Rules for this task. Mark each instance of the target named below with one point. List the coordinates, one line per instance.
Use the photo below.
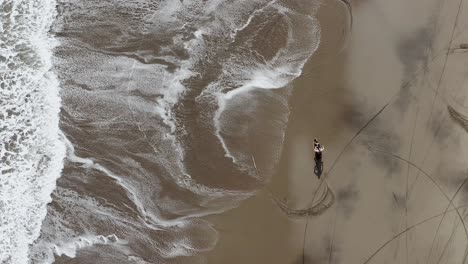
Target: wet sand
(395, 158)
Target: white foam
(277, 73)
(230, 19)
(89, 163)
(137, 260)
(234, 17)
(261, 78)
(169, 10)
(31, 152)
(198, 34)
(71, 246)
(249, 20)
(173, 89)
(151, 220)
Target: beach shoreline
(262, 220)
(373, 108)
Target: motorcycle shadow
(318, 169)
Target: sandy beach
(395, 158)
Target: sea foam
(31, 151)
(111, 85)
(303, 40)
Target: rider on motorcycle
(318, 149)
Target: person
(318, 150)
(318, 158)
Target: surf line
(345, 41)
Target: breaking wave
(31, 151)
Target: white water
(70, 247)
(31, 151)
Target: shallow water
(164, 103)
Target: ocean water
(123, 123)
(31, 150)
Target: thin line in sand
(408, 229)
(437, 185)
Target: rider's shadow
(318, 169)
